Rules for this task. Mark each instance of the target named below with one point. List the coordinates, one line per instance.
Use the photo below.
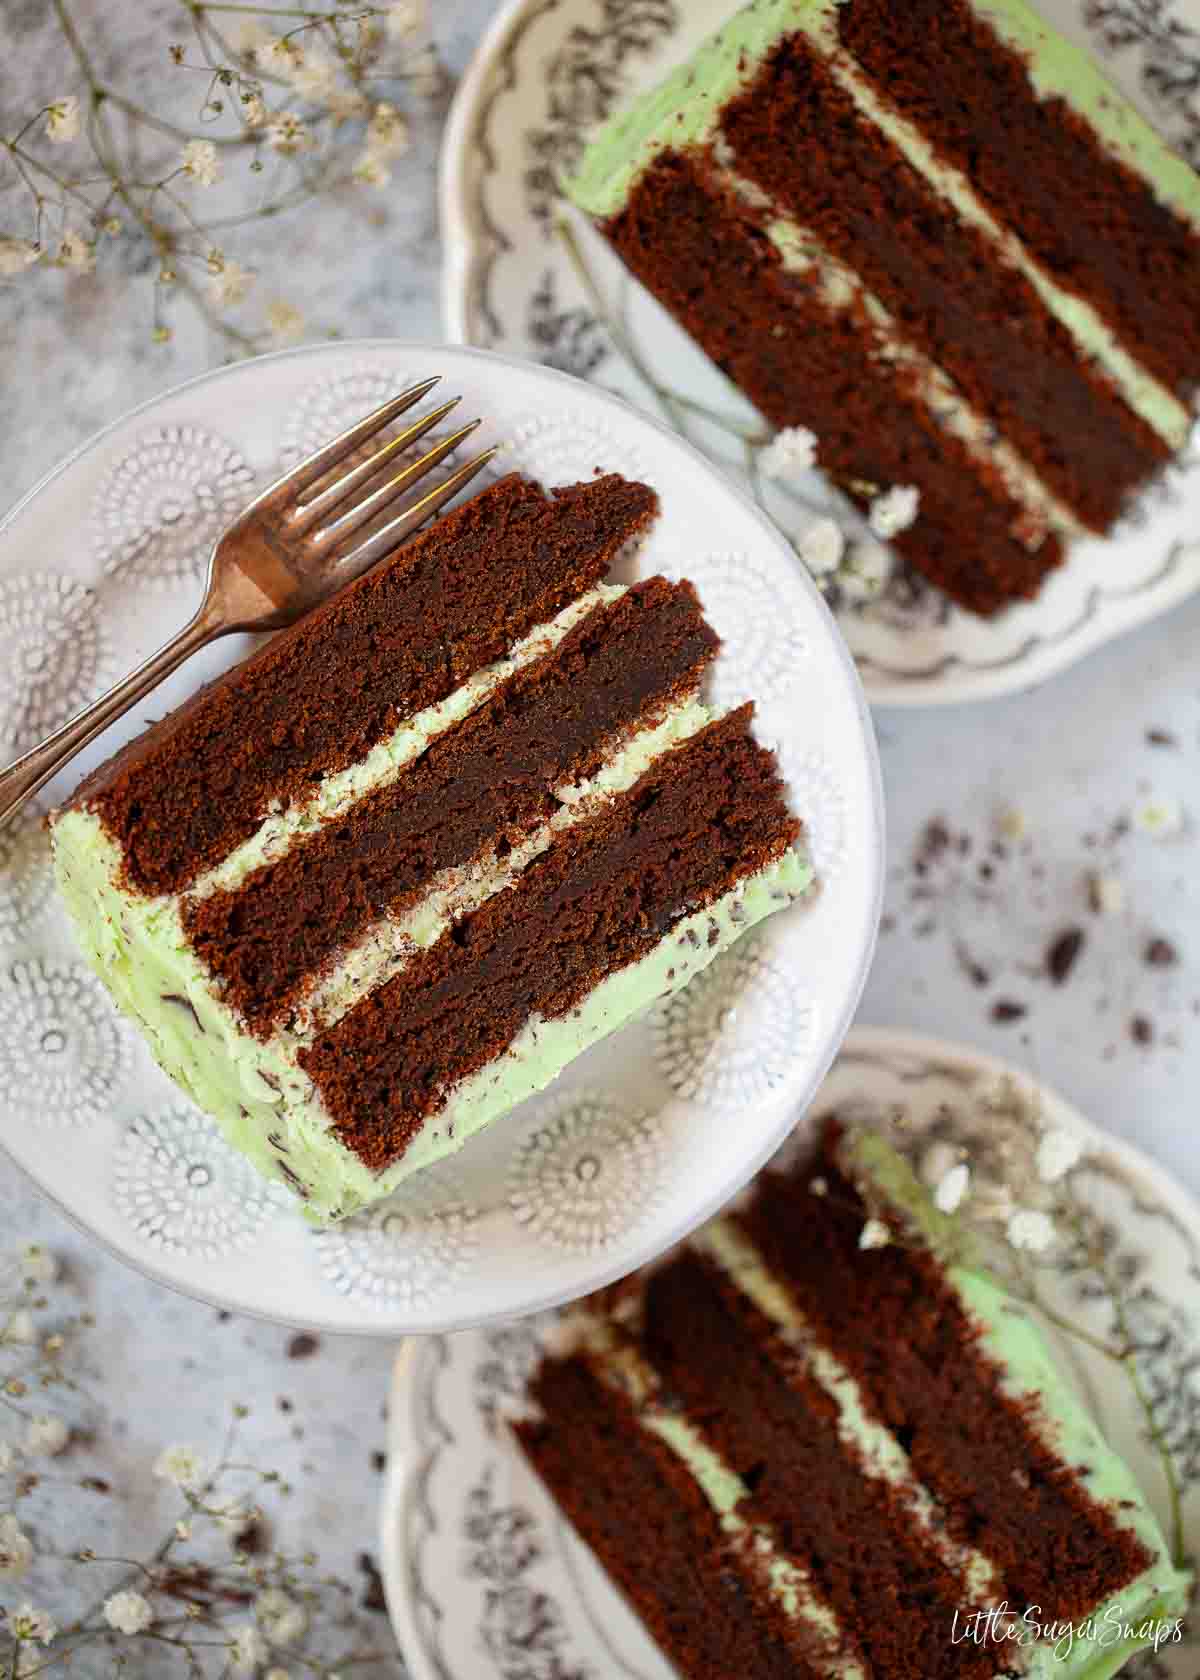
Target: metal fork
(283, 555)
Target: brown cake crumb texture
(481, 787)
(1091, 220)
(804, 364)
(319, 696)
(891, 1318)
(704, 816)
(926, 1376)
(652, 1528)
(797, 133)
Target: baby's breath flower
(281, 57)
(819, 1187)
(283, 1619)
(387, 131)
(874, 1234)
(254, 110)
(111, 225)
(284, 322)
(181, 1465)
(345, 103)
(234, 1518)
(792, 450)
(38, 1264)
(1030, 1231)
(821, 546)
(248, 1650)
(866, 569)
(128, 1612)
(371, 170)
(895, 511)
(29, 1623)
(183, 1531)
(16, 1549)
(74, 251)
(1058, 1152)
(46, 1436)
(16, 255)
(405, 18)
(230, 284)
(315, 80)
(201, 163)
(62, 120)
(952, 1188)
(277, 1674)
(8, 1457)
(1159, 816)
(287, 134)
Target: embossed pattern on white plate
(184, 1190)
(26, 878)
(733, 1034)
(566, 448)
(64, 1049)
(56, 655)
(587, 1171)
(408, 1251)
(815, 793)
(328, 406)
(163, 504)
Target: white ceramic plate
(547, 72)
(649, 1132)
(483, 1576)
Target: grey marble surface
(973, 907)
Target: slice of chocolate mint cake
(806, 1456)
(386, 878)
(934, 236)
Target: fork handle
(35, 768)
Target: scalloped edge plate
(146, 1174)
(505, 286)
(480, 1569)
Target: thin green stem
(173, 131)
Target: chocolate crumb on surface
(1005, 1010)
(1141, 1030)
(1160, 953)
(303, 1346)
(1063, 953)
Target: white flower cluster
(62, 120)
(895, 512)
(16, 1549)
(793, 450)
(387, 138)
(128, 1612)
(200, 163)
(182, 1466)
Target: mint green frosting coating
(1018, 1348)
(1095, 1650)
(264, 1102)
